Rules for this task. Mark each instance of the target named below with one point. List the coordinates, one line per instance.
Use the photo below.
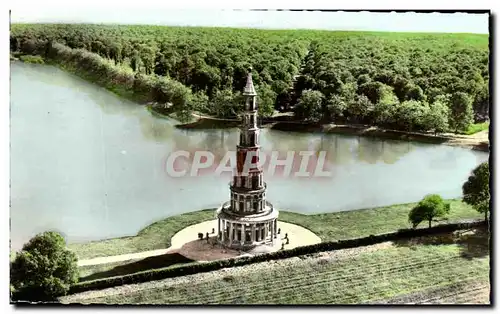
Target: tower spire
(249, 88)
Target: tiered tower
(248, 219)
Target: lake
(91, 165)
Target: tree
(482, 102)
(29, 46)
(44, 269)
(200, 102)
(226, 104)
(180, 97)
(437, 117)
(433, 93)
(401, 86)
(266, 98)
(432, 206)
(462, 115)
(335, 107)
(410, 114)
(363, 79)
(135, 62)
(476, 189)
(373, 90)
(359, 108)
(415, 92)
(310, 105)
(385, 109)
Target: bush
(44, 269)
(32, 59)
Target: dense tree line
(212, 62)
(403, 81)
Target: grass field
(444, 269)
(328, 226)
(154, 236)
(477, 127)
(364, 222)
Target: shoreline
(475, 141)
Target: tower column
(253, 233)
(230, 233)
(242, 234)
(223, 233)
(272, 232)
(266, 232)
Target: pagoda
(248, 219)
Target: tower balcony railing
(245, 190)
(226, 207)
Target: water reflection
(338, 149)
(374, 151)
(158, 130)
(394, 151)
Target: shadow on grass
(473, 243)
(149, 263)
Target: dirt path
(299, 236)
(465, 140)
(122, 258)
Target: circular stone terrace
(187, 243)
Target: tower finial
(249, 88)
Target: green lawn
(429, 269)
(154, 236)
(328, 226)
(477, 127)
(364, 222)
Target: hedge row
(158, 274)
(121, 80)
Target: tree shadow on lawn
(473, 243)
(153, 262)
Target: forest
(404, 81)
